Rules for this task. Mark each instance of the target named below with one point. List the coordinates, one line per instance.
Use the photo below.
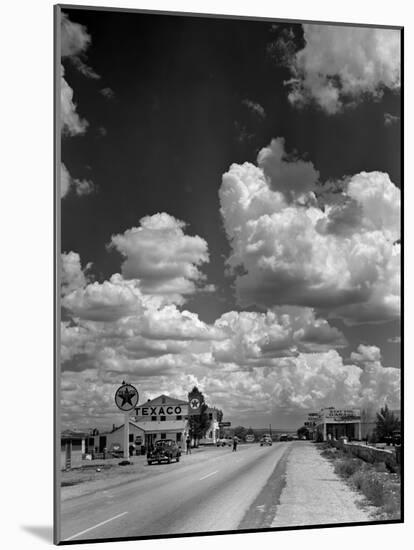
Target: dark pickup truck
(164, 451)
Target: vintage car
(266, 440)
(164, 450)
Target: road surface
(221, 492)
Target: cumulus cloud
(107, 301)
(80, 187)
(253, 339)
(288, 250)
(286, 173)
(75, 40)
(380, 384)
(73, 277)
(340, 65)
(71, 123)
(164, 260)
(248, 363)
(309, 381)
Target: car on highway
(283, 437)
(266, 440)
(164, 450)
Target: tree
(240, 432)
(199, 423)
(386, 423)
(303, 431)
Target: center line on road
(208, 475)
(95, 526)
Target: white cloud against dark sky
(238, 242)
(339, 64)
(343, 258)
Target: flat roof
(166, 426)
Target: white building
(332, 423)
(161, 418)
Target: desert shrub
(381, 467)
(377, 488)
(348, 466)
(373, 488)
(329, 452)
(358, 479)
(392, 501)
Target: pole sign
(195, 400)
(126, 397)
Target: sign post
(126, 399)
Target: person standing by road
(188, 445)
(235, 441)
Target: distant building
(332, 423)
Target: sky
(230, 215)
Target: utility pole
(270, 430)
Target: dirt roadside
(313, 494)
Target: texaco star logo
(195, 403)
(126, 397)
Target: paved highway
(212, 491)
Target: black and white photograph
(228, 282)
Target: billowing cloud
(75, 40)
(254, 339)
(67, 183)
(73, 277)
(287, 249)
(74, 37)
(164, 260)
(286, 173)
(380, 384)
(107, 301)
(71, 123)
(339, 65)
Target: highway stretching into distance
(217, 490)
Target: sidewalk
(314, 494)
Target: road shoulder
(314, 494)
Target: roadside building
(162, 418)
(72, 448)
(213, 432)
(114, 441)
(332, 423)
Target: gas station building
(161, 418)
(332, 423)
